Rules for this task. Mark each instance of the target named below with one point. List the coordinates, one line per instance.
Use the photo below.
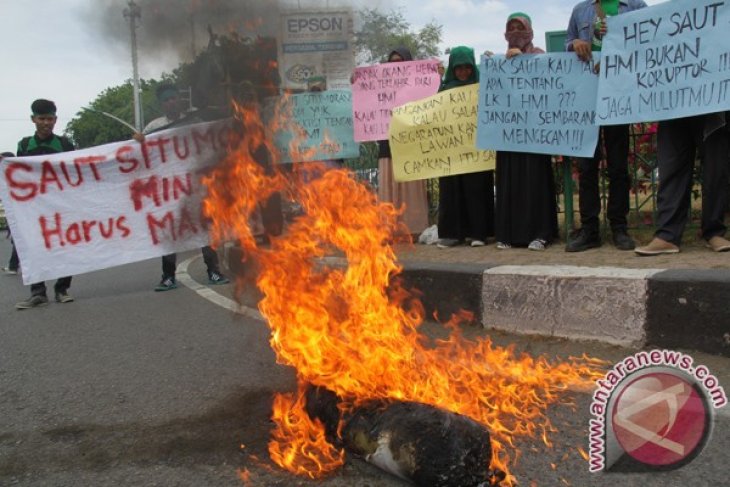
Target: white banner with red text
(96, 208)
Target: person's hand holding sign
(582, 49)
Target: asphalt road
(128, 387)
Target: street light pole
(134, 13)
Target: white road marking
(183, 277)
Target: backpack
(29, 146)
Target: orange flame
(354, 329)
(298, 443)
(583, 454)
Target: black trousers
(61, 286)
(616, 140)
(14, 261)
(677, 143)
(210, 257)
(466, 206)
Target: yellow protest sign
(436, 136)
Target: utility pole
(134, 13)
(192, 30)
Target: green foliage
(368, 158)
(381, 32)
(91, 128)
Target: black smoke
(180, 28)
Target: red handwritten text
(173, 227)
(54, 230)
(160, 189)
(176, 148)
(26, 181)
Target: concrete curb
(447, 288)
(604, 304)
(690, 309)
(679, 309)
(686, 309)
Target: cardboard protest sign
(436, 136)
(377, 89)
(91, 209)
(312, 126)
(667, 61)
(539, 103)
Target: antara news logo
(652, 411)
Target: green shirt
(610, 7)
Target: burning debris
(417, 442)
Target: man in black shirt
(44, 141)
(173, 116)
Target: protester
(14, 262)
(678, 141)
(412, 194)
(526, 212)
(247, 97)
(173, 116)
(44, 141)
(586, 28)
(466, 201)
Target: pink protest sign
(377, 89)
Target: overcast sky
(71, 50)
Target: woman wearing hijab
(411, 194)
(466, 201)
(526, 209)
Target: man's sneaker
(64, 297)
(719, 244)
(622, 240)
(32, 302)
(583, 240)
(8, 270)
(166, 284)
(478, 243)
(217, 278)
(657, 246)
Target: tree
(381, 32)
(90, 128)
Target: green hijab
(458, 56)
